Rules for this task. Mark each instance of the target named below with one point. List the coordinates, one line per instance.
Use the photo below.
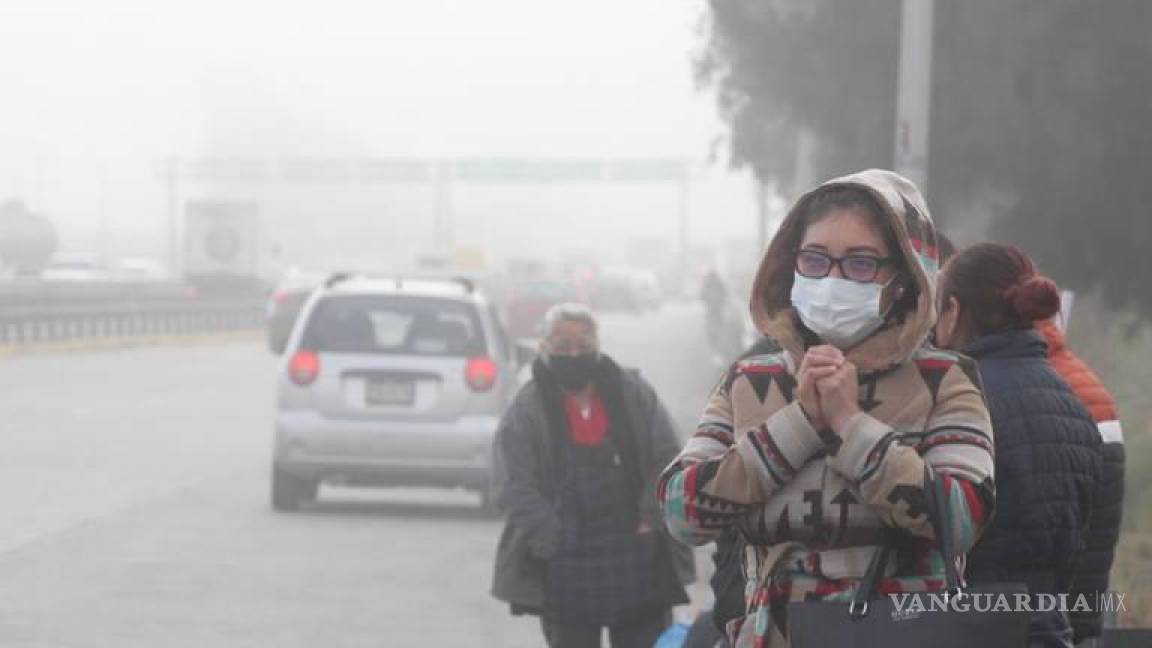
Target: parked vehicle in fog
(140, 269)
(391, 381)
(528, 300)
(625, 289)
(75, 268)
(285, 303)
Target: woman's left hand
(839, 396)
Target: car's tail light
(280, 296)
(304, 367)
(480, 372)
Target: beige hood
(907, 212)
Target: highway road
(134, 487)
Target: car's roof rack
(469, 284)
(466, 283)
(336, 278)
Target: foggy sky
(141, 76)
(128, 80)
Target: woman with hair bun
(1048, 461)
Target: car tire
(290, 491)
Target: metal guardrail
(23, 326)
(35, 311)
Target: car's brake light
(480, 373)
(304, 367)
(280, 296)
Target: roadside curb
(106, 344)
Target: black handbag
(959, 617)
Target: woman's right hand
(819, 362)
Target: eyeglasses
(856, 267)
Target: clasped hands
(829, 388)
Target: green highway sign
(383, 170)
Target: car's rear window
(394, 325)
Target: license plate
(390, 392)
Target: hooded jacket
(1103, 531)
(814, 505)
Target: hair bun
(1035, 298)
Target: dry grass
(1132, 575)
(1119, 348)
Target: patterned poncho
(813, 505)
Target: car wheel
(289, 491)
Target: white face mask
(840, 311)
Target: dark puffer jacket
(1048, 466)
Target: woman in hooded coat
(816, 449)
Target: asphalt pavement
(134, 486)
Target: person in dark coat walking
(576, 459)
(1048, 459)
(714, 295)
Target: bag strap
(941, 524)
(858, 608)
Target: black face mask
(574, 372)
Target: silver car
(391, 381)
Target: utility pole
(443, 215)
(683, 211)
(762, 214)
(914, 92)
(172, 177)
